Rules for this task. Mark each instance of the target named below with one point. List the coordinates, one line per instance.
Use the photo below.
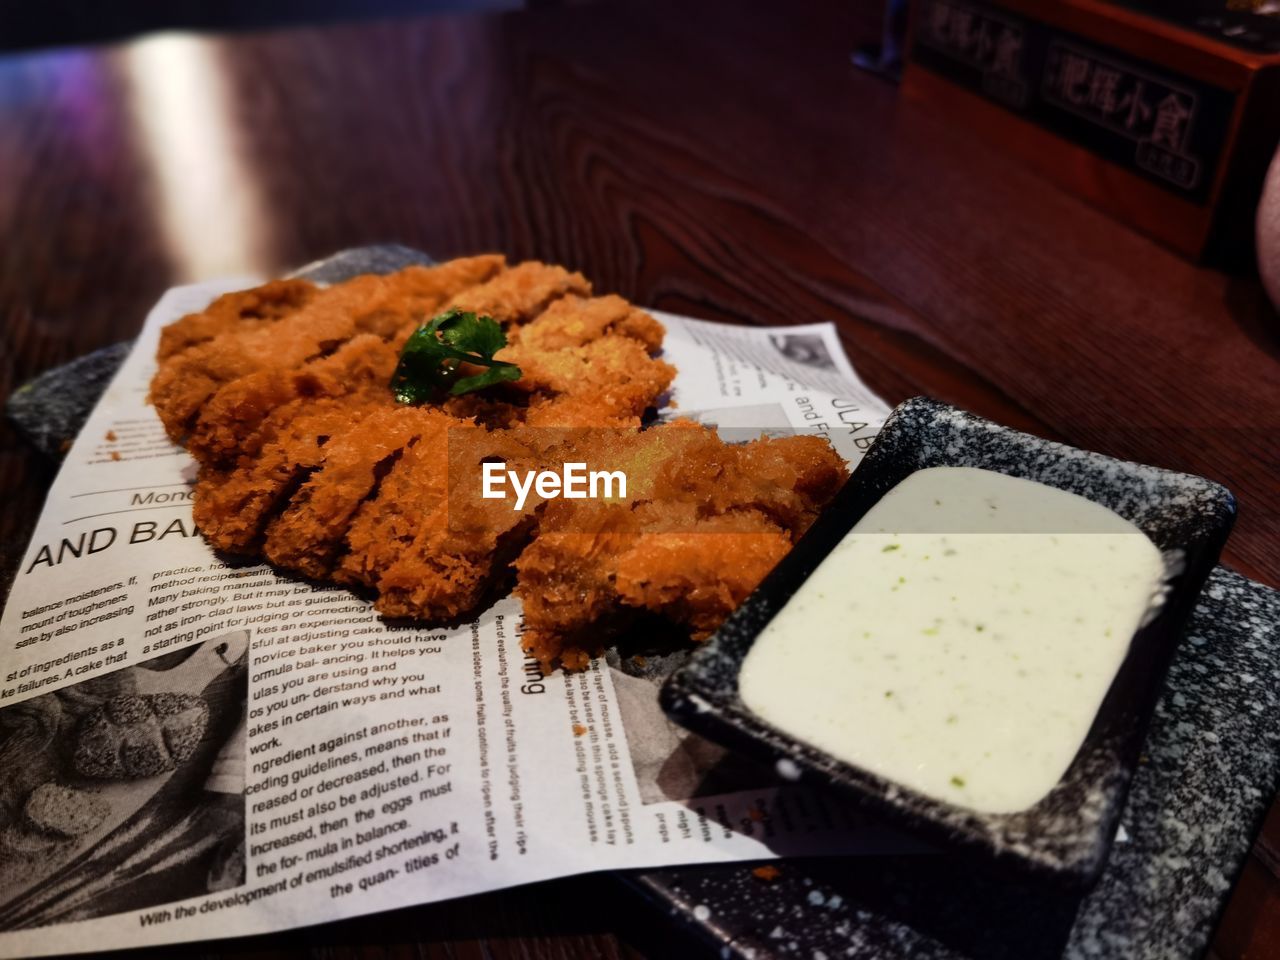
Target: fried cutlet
(579, 589)
(263, 433)
(704, 522)
(584, 361)
(422, 544)
(230, 425)
(309, 533)
(363, 365)
(236, 312)
(232, 506)
(380, 305)
(463, 542)
(606, 382)
(521, 293)
(575, 321)
(282, 394)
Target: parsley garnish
(432, 356)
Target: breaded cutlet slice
(311, 531)
(607, 382)
(443, 566)
(380, 305)
(588, 361)
(698, 573)
(704, 521)
(578, 589)
(520, 293)
(564, 579)
(232, 505)
(364, 364)
(574, 321)
(230, 423)
(383, 527)
(787, 479)
(238, 311)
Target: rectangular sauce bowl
(1066, 836)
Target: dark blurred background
(47, 23)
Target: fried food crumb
(579, 729)
(115, 454)
(111, 436)
(766, 873)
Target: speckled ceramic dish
(1066, 836)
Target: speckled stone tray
(1211, 767)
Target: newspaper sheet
(195, 750)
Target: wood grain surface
(723, 162)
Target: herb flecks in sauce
(994, 640)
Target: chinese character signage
(983, 39)
(1167, 128)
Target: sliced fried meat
(606, 381)
(703, 523)
(283, 396)
(241, 310)
(401, 543)
(365, 304)
(565, 582)
(682, 573)
(580, 588)
(464, 541)
(574, 321)
(233, 505)
(228, 425)
(519, 294)
(787, 479)
(310, 532)
(383, 528)
(587, 361)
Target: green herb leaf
(470, 333)
(430, 363)
(499, 373)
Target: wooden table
(717, 162)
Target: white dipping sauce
(961, 637)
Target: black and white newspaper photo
(126, 790)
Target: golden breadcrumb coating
(703, 523)
(228, 425)
(310, 531)
(380, 305)
(282, 394)
(521, 293)
(575, 321)
(242, 310)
